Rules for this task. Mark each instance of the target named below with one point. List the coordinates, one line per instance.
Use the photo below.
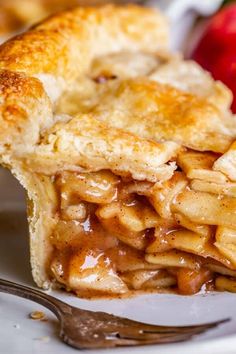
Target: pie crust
(126, 152)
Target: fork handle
(56, 306)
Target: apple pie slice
(128, 166)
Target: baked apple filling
(101, 234)
(114, 235)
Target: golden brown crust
(57, 52)
(24, 110)
(162, 112)
(63, 47)
(85, 143)
(76, 37)
(187, 75)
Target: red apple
(224, 69)
(216, 51)
(223, 25)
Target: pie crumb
(44, 339)
(38, 315)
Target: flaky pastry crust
(34, 70)
(135, 125)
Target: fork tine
(110, 341)
(148, 335)
(122, 324)
(160, 335)
(182, 329)
(118, 341)
(112, 331)
(157, 336)
(116, 321)
(205, 325)
(128, 341)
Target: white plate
(19, 334)
(182, 14)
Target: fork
(84, 329)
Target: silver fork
(84, 329)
